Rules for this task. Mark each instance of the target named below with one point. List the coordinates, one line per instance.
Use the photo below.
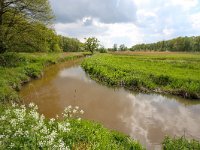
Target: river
(145, 117)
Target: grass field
(175, 73)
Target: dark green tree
(91, 44)
(18, 16)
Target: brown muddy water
(145, 117)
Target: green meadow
(174, 73)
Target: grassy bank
(175, 73)
(180, 144)
(23, 128)
(18, 68)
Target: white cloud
(168, 32)
(195, 20)
(108, 34)
(112, 11)
(132, 22)
(185, 4)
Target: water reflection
(147, 118)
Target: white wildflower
(7, 112)
(3, 118)
(52, 120)
(62, 127)
(31, 105)
(13, 122)
(23, 106)
(34, 114)
(14, 105)
(74, 111)
(82, 112)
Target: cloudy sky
(127, 21)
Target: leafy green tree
(187, 44)
(18, 16)
(102, 49)
(122, 47)
(91, 44)
(70, 44)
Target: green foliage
(180, 144)
(122, 47)
(90, 135)
(182, 44)
(91, 44)
(11, 60)
(17, 68)
(176, 73)
(102, 49)
(19, 22)
(115, 48)
(70, 44)
(24, 128)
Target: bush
(23, 128)
(11, 60)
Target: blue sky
(127, 22)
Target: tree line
(182, 44)
(26, 26)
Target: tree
(115, 48)
(102, 49)
(122, 47)
(70, 44)
(91, 44)
(187, 44)
(17, 17)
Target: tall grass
(177, 74)
(180, 144)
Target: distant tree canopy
(102, 49)
(122, 47)
(70, 44)
(91, 44)
(182, 44)
(115, 47)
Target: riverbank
(19, 68)
(168, 73)
(17, 123)
(23, 128)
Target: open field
(174, 73)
